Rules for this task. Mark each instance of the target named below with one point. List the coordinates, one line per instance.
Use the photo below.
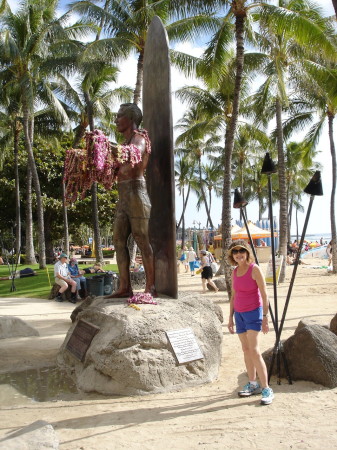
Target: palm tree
(250, 145)
(11, 128)
(290, 33)
(300, 166)
(318, 87)
(196, 144)
(212, 178)
(126, 24)
(26, 44)
(184, 174)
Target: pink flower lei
(96, 163)
(142, 298)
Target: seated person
(63, 279)
(27, 272)
(96, 268)
(77, 275)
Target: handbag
(196, 264)
(183, 257)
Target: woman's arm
(257, 275)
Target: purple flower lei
(142, 298)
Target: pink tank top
(247, 295)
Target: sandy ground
(212, 416)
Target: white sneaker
(267, 396)
(250, 389)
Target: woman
(77, 276)
(249, 305)
(191, 258)
(184, 259)
(206, 273)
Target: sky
(319, 222)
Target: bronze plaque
(81, 338)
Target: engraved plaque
(184, 345)
(81, 338)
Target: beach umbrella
(255, 232)
(234, 229)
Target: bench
(91, 261)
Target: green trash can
(108, 284)
(95, 285)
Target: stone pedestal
(131, 353)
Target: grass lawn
(34, 287)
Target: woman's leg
(211, 282)
(256, 357)
(251, 370)
(204, 282)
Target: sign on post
(278, 265)
(184, 345)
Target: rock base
(38, 435)
(131, 354)
(11, 326)
(311, 355)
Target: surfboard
(157, 112)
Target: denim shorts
(249, 320)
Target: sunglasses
(240, 250)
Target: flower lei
(142, 298)
(96, 163)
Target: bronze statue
(134, 207)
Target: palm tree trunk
(65, 219)
(94, 202)
(30, 252)
(260, 199)
(333, 194)
(16, 133)
(290, 216)
(139, 82)
(229, 144)
(184, 206)
(183, 224)
(39, 205)
(48, 222)
(282, 190)
(201, 183)
(79, 133)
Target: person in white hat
(63, 279)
